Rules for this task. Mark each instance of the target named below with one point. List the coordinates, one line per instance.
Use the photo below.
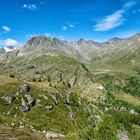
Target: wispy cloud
(71, 26)
(114, 20)
(10, 42)
(33, 35)
(31, 7)
(130, 4)
(66, 27)
(136, 11)
(28, 35)
(110, 22)
(43, 2)
(48, 34)
(6, 28)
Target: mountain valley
(53, 89)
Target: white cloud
(48, 34)
(71, 26)
(110, 22)
(61, 37)
(5, 28)
(8, 42)
(64, 28)
(130, 4)
(114, 20)
(31, 7)
(30, 35)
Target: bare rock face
(53, 135)
(81, 49)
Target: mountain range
(80, 49)
(80, 90)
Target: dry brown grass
(128, 98)
(43, 85)
(6, 80)
(13, 133)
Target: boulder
(38, 102)
(24, 88)
(49, 107)
(24, 106)
(10, 99)
(31, 101)
(55, 97)
(43, 96)
(132, 111)
(66, 100)
(31, 66)
(54, 135)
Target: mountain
(2, 50)
(123, 53)
(80, 90)
(7, 49)
(80, 49)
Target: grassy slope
(91, 117)
(119, 72)
(58, 119)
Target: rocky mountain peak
(137, 34)
(116, 39)
(2, 50)
(37, 40)
(86, 42)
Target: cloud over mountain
(115, 19)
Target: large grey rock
(38, 102)
(31, 101)
(24, 88)
(54, 135)
(10, 99)
(49, 107)
(122, 135)
(68, 98)
(55, 97)
(31, 66)
(24, 106)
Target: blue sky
(68, 19)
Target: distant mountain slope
(123, 55)
(2, 50)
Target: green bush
(106, 130)
(11, 75)
(133, 86)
